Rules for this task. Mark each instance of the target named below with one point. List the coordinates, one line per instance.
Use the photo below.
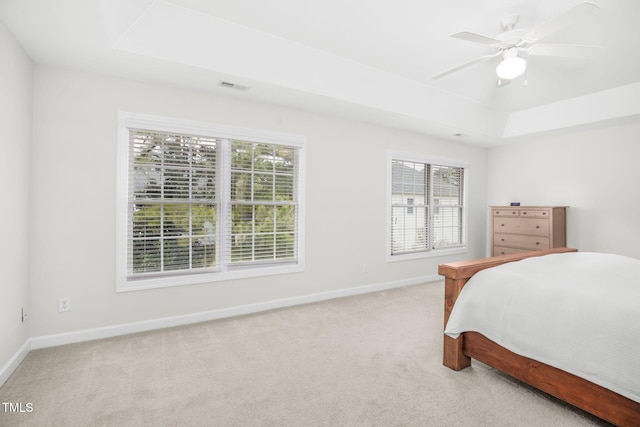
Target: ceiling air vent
(235, 86)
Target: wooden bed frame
(577, 391)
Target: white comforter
(579, 312)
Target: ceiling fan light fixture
(511, 66)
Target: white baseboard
(14, 362)
(166, 322)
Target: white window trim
(128, 120)
(413, 157)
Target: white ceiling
(370, 60)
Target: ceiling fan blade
(477, 38)
(579, 12)
(465, 65)
(565, 50)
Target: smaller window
(427, 213)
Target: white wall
(595, 172)
(16, 74)
(74, 199)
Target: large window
(202, 202)
(426, 207)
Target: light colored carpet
(368, 360)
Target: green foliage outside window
(175, 205)
(174, 214)
(262, 202)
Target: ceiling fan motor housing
(512, 65)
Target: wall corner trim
(14, 362)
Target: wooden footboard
(456, 275)
(577, 391)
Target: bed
(566, 378)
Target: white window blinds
(447, 198)
(263, 203)
(200, 203)
(427, 207)
(409, 209)
(172, 202)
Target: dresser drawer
(505, 212)
(538, 213)
(533, 226)
(501, 250)
(520, 241)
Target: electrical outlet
(64, 304)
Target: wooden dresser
(527, 228)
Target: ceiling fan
(511, 42)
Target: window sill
(129, 285)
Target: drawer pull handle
(537, 226)
(502, 240)
(524, 213)
(501, 225)
(537, 243)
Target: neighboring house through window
(426, 206)
(201, 202)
